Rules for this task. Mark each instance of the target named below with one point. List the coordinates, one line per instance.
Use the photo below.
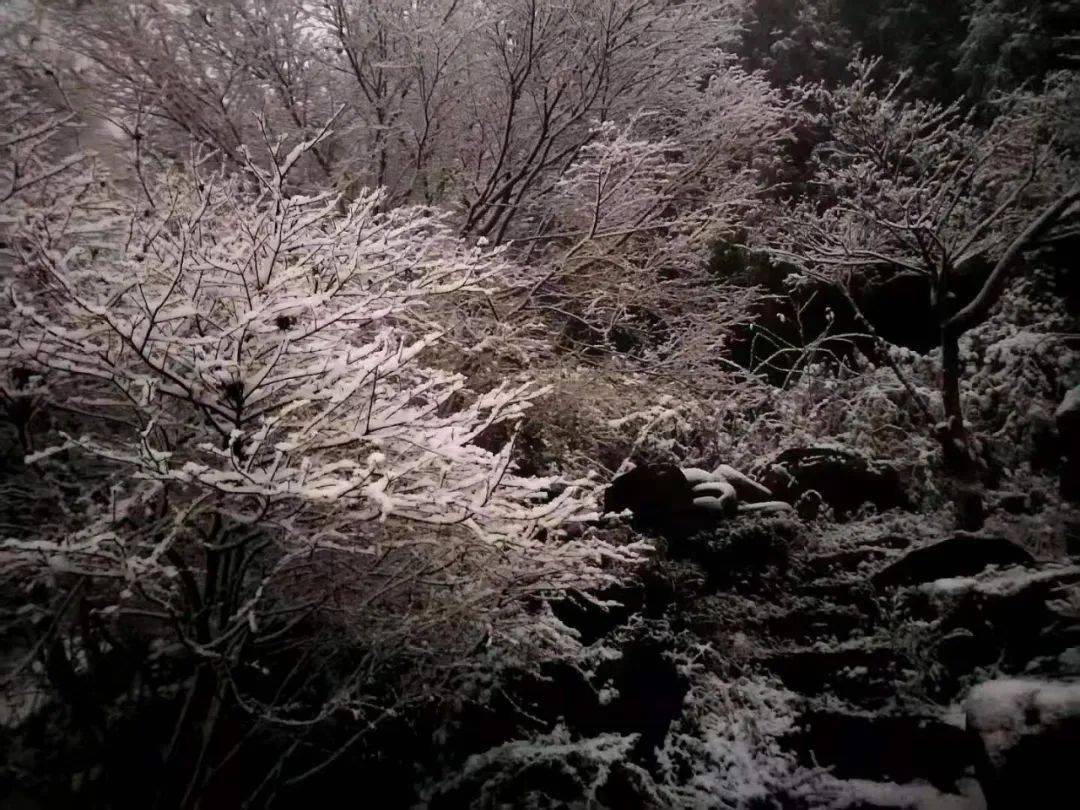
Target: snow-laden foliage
(508, 114)
(274, 327)
(1022, 361)
(34, 174)
(478, 103)
(549, 771)
(623, 254)
(1008, 43)
(724, 751)
(240, 377)
(622, 240)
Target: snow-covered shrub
(725, 750)
(551, 770)
(248, 443)
(599, 419)
(1022, 360)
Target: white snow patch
(915, 796)
(1070, 404)
(1004, 710)
(1003, 583)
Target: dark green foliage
(922, 36)
(961, 48)
(795, 40)
(1011, 42)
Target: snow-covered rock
(682, 501)
(1029, 735)
(1069, 409)
(651, 491)
(715, 489)
(748, 490)
(716, 505)
(843, 478)
(696, 475)
(961, 555)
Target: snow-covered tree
(494, 111)
(161, 76)
(478, 104)
(793, 39)
(905, 186)
(621, 242)
(35, 171)
(245, 435)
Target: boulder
(720, 506)
(1003, 617)
(961, 555)
(1028, 737)
(844, 479)
(715, 489)
(715, 496)
(1067, 415)
(653, 492)
(677, 502)
(696, 475)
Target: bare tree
(477, 105)
(622, 239)
(913, 187)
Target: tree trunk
(954, 437)
(194, 736)
(956, 444)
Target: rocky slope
(883, 660)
